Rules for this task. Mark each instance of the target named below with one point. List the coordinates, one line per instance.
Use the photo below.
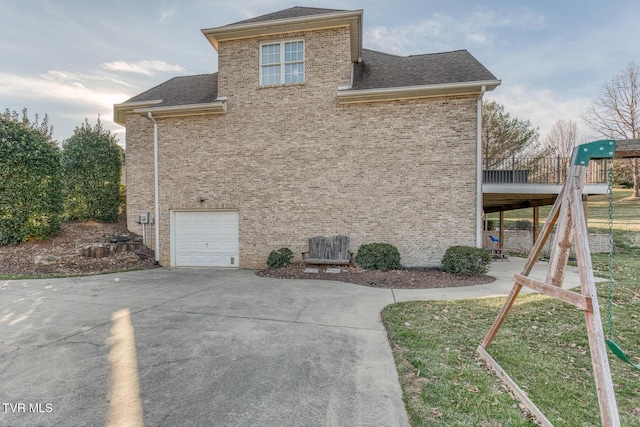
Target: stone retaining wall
(521, 241)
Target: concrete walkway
(503, 271)
(203, 348)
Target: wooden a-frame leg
(531, 260)
(599, 359)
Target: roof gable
(295, 19)
(294, 12)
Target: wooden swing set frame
(568, 214)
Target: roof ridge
(438, 53)
(416, 55)
(193, 75)
(286, 14)
(384, 53)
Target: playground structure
(568, 214)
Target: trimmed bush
(490, 225)
(524, 224)
(280, 258)
(30, 186)
(378, 256)
(466, 261)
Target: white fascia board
(351, 18)
(120, 110)
(409, 92)
(285, 21)
(216, 107)
(509, 188)
(539, 188)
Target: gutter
(219, 106)
(479, 170)
(348, 96)
(120, 110)
(156, 187)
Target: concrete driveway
(221, 347)
(202, 348)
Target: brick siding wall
(296, 164)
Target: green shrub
(30, 186)
(280, 258)
(91, 173)
(466, 261)
(524, 224)
(378, 256)
(490, 225)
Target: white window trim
(282, 62)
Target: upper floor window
(282, 62)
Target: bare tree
(616, 114)
(563, 136)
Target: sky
(74, 59)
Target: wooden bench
(328, 250)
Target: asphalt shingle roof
(376, 71)
(382, 70)
(294, 12)
(184, 90)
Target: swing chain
(610, 277)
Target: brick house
(303, 132)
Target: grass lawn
(626, 213)
(542, 345)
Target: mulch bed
(20, 259)
(418, 278)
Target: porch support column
(501, 235)
(536, 220)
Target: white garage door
(207, 239)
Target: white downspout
(156, 186)
(353, 69)
(479, 170)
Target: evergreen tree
(30, 185)
(505, 138)
(91, 173)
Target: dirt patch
(423, 278)
(21, 259)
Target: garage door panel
(183, 246)
(205, 239)
(200, 246)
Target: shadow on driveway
(213, 347)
